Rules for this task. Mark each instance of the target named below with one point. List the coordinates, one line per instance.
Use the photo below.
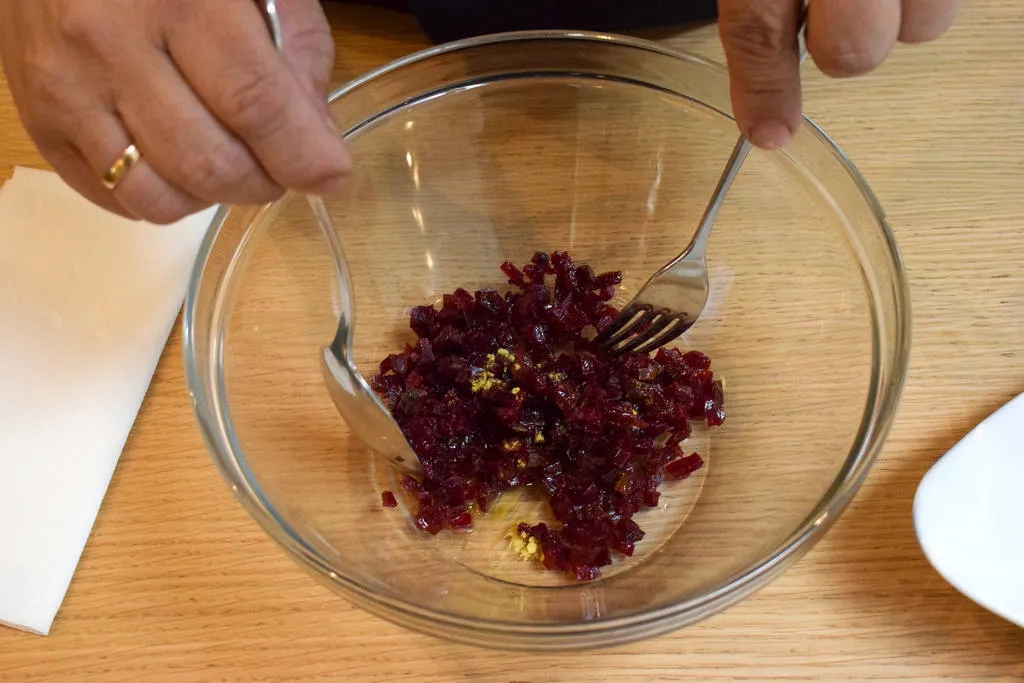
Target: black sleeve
(444, 20)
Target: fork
(674, 298)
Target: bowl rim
(880, 410)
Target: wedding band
(125, 163)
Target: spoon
(968, 512)
(353, 397)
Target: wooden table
(178, 583)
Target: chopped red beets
(388, 500)
(506, 390)
(683, 467)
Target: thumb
(762, 52)
(308, 44)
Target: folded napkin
(87, 301)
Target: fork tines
(641, 328)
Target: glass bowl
(489, 149)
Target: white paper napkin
(87, 301)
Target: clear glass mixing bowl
(476, 152)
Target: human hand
(844, 37)
(197, 85)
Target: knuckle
(315, 42)
(317, 52)
(218, 168)
(83, 23)
(228, 173)
(48, 83)
(850, 60)
(256, 105)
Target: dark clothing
(444, 20)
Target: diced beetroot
(543, 260)
(399, 364)
(714, 411)
(463, 521)
(585, 277)
(412, 484)
(430, 520)
(388, 500)
(423, 321)
(609, 279)
(534, 273)
(514, 275)
(424, 351)
(697, 360)
(504, 390)
(627, 534)
(537, 334)
(684, 467)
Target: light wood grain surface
(178, 583)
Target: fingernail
(770, 135)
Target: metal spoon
(353, 397)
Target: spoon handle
(269, 10)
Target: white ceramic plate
(969, 513)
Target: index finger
(226, 54)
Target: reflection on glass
(652, 196)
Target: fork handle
(699, 243)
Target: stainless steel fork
(675, 296)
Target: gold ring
(126, 162)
